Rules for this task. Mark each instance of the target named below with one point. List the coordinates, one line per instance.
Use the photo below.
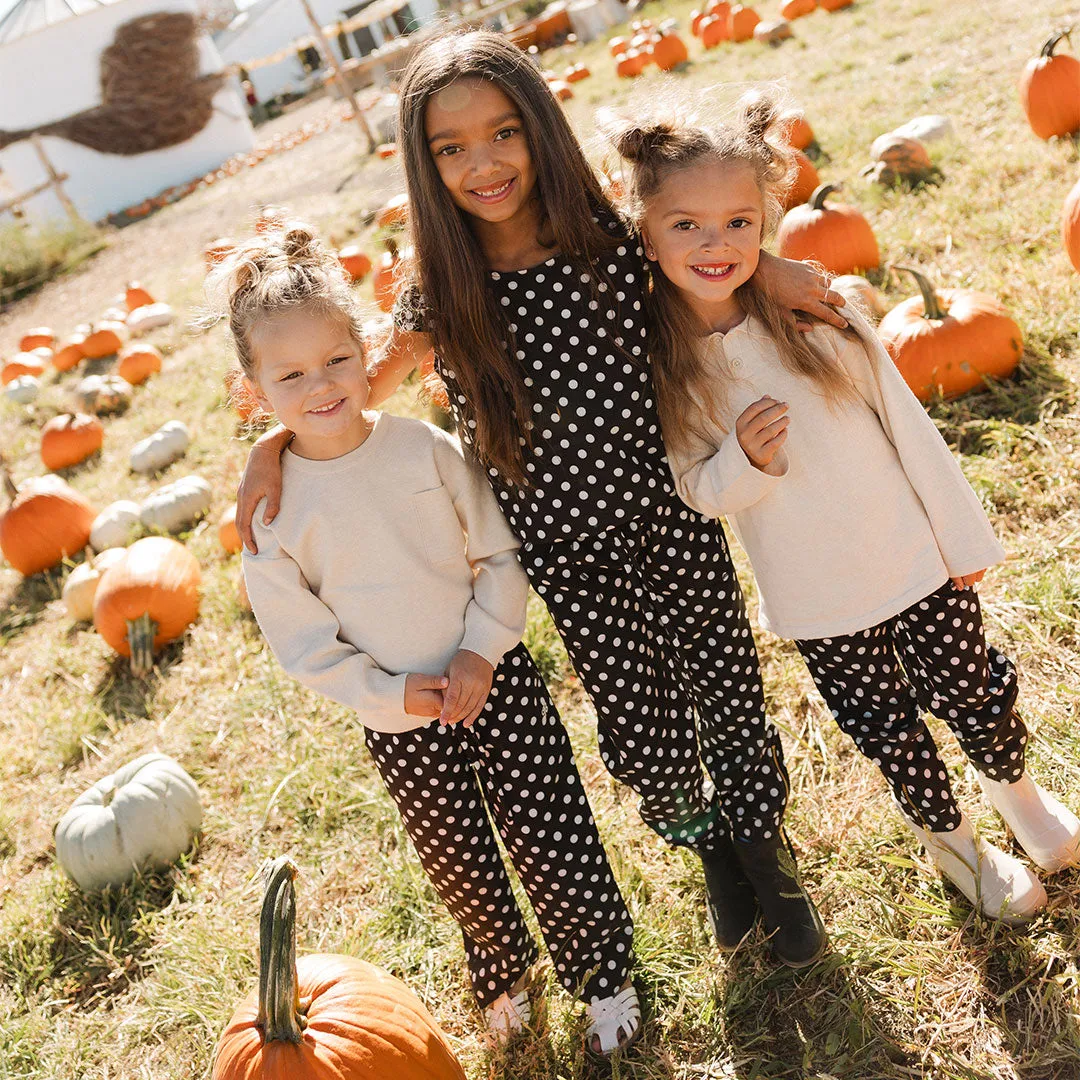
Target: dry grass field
(138, 983)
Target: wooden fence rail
(55, 181)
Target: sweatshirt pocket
(439, 525)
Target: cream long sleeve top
(382, 562)
(864, 511)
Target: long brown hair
(471, 335)
(653, 150)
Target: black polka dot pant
(517, 759)
(655, 625)
(932, 657)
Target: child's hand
(961, 583)
(762, 429)
(470, 678)
(424, 694)
(262, 476)
(800, 287)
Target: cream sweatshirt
(383, 562)
(864, 511)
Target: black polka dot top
(598, 455)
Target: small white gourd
(143, 815)
(856, 288)
(116, 526)
(177, 505)
(100, 394)
(81, 584)
(23, 390)
(927, 129)
(149, 317)
(162, 448)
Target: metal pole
(328, 52)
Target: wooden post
(55, 179)
(331, 59)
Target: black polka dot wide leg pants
(655, 625)
(517, 759)
(932, 657)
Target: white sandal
(610, 1016)
(508, 1015)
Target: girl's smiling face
(311, 374)
(703, 226)
(477, 139)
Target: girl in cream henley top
(865, 510)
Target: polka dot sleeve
(410, 313)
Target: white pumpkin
(143, 815)
(116, 526)
(102, 394)
(858, 289)
(23, 390)
(162, 448)
(772, 31)
(927, 129)
(177, 505)
(81, 585)
(115, 313)
(149, 317)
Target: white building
(270, 26)
(51, 69)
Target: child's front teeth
(487, 193)
(715, 271)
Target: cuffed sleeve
(305, 636)
(961, 529)
(495, 616)
(724, 481)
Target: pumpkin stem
(140, 634)
(9, 484)
(817, 200)
(932, 305)
(279, 992)
(1051, 42)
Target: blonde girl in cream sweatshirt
(389, 582)
(865, 538)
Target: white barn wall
(31, 94)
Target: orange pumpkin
(70, 438)
(394, 213)
(38, 338)
(24, 363)
(1070, 226)
(946, 341)
(719, 9)
(741, 23)
(1050, 90)
(240, 398)
(355, 262)
(796, 9)
(105, 338)
(805, 182)
(714, 30)
(898, 159)
(325, 1016)
(618, 45)
(137, 363)
(385, 283)
(69, 353)
(834, 5)
(386, 150)
(135, 296)
(228, 533)
(668, 50)
(45, 522)
(561, 89)
(219, 250)
(837, 236)
(147, 599)
(798, 132)
(576, 73)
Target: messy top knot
(655, 147)
(282, 268)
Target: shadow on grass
(102, 941)
(127, 697)
(23, 605)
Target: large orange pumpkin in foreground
(46, 522)
(326, 1016)
(837, 236)
(1070, 225)
(70, 438)
(1050, 90)
(149, 598)
(946, 341)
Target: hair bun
(300, 243)
(758, 113)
